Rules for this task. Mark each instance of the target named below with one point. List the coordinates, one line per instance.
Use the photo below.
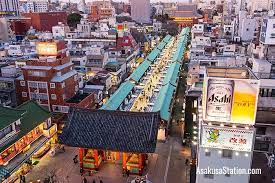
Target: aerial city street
(137, 91)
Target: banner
(46, 49)
(227, 138)
(230, 100)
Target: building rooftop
(32, 116)
(111, 130)
(230, 72)
(77, 98)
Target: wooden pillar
(140, 163)
(81, 155)
(117, 155)
(96, 158)
(124, 159)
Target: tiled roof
(33, 116)
(8, 116)
(111, 130)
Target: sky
(128, 0)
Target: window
(22, 83)
(76, 88)
(37, 73)
(260, 130)
(63, 85)
(75, 78)
(42, 85)
(227, 153)
(64, 96)
(53, 96)
(24, 94)
(52, 85)
(207, 153)
(209, 176)
(273, 25)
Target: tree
(73, 19)
(171, 28)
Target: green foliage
(73, 19)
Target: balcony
(50, 131)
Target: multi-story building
(36, 6)
(7, 86)
(226, 134)
(9, 8)
(259, 5)
(140, 11)
(101, 9)
(248, 29)
(59, 31)
(49, 79)
(24, 131)
(46, 20)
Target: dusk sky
(128, 0)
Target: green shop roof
(8, 116)
(140, 70)
(117, 98)
(32, 116)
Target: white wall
(215, 160)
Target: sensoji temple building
(186, 15)
(111, 136)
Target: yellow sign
(47, 49)
(230, 100)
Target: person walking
(94, 181)
(84, 180)
(100, 181)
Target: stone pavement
(67, 172)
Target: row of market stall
(126, 128)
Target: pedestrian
(94, 181)
(84, 180)
(100, 181)
(20, 177)
(75, 159)
(127, 173)
(23, 178)
(186, 162)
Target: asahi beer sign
(230, 100)
(227, 138)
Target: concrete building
(36, 6)
(59, 31)
(259, 5)
(232, 143)
(141, 11)
(11, 7)
(268, 31)
(48, 79)
(157, 26)
(248, 29)
(46, 20)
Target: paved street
(66, 171)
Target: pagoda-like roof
(111, 130)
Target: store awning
(117, 98)
(140, 70)
(153, 55)
(163, 101)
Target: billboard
(230, 100)
(227, 138)
(47, 49)
(4, 35)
